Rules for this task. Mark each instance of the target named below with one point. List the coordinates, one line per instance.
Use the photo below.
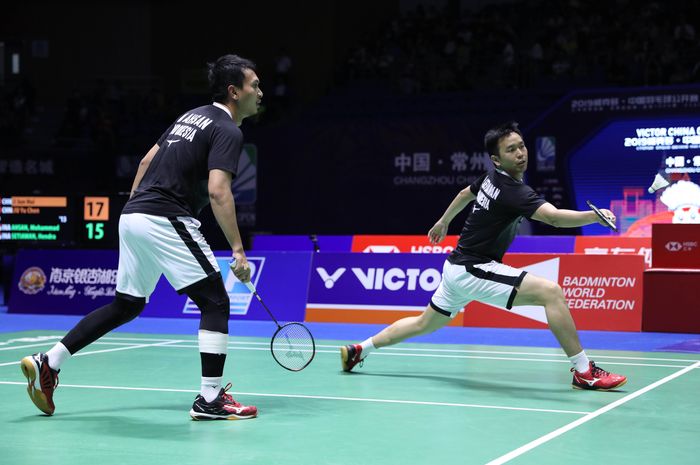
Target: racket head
(293, 346)
(607, 221)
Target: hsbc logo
(431, 249)
(381, 249)
(414, 249)
(674, 246)
(392, 279)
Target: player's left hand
(437, 233)
(240, 267)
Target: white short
(153, 245)
(491, 283)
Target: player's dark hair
(226, 70)
(495, 134)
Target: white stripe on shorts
(152, 245)
(491, 283)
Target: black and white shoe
(221, 408)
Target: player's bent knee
(128, 307)
(432, 320)
(215, 316)
(214, 304)
(535, 291)
(559, 292)
(553, 292)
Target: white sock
(580, 362)
(57, 355)
(367, 347)
(210, 387)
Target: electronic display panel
(615, 166)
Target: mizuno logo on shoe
(590, 382)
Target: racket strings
(293, 346)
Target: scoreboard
(63, 221)
(34, 218)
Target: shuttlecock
(659, 183)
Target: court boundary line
(27, 346)
(469, 357)
(190, 343)
(99, 341)
(588, 417)
(421, 349)
(116, 349)
(234, 340)
(314, 397)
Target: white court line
(477, 357)
(142, 339)
(390, 350)
(590, 416)
(51, 343)
(541, 354)
(184, 343)
(139, 346)
(38, 344)
(157, 344)
(48, 339)
(467, 351)
(519, 359)
(302, 396)
(409, 349)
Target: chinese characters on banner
(30, 167)
(458, 168)
(615, 245)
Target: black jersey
(176, 181)
(500, 205)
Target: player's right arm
(143, 166)
(438, 232)
(562, 218)
(224, 208)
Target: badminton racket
(292, 345)
(608, 221)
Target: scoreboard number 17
(95, 212)
(96, 209)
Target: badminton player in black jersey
(192, 165)
(474, 271)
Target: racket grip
(249, 284)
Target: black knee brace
(96, 324)
(128, 307)
(212, 299)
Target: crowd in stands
(17, 105)
(99, 116)
(111, 113)
(530, 44)
(511, 45)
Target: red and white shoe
(37, 366)
(597, 379)
(350, 356)
(221, 408)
